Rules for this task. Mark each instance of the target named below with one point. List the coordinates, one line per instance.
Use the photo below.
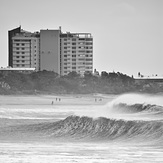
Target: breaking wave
(106, 129)
(135, 108)
(90, 129)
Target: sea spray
(125, 105)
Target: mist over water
(144, 106)
(132, 98)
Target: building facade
(76, 53)
(24, 50)
(11, 33)
(52, 50)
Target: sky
(127, 34)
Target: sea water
(91, 128)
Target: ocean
(98, 128)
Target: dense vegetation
(47, 82)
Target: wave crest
(105, 129)
(135, 108)
(89, 129)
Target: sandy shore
(55, 99)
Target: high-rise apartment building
(25, 50)
(52, 50)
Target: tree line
(51, 83)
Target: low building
(20, 70)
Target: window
(73, 43)
(73, 47)
(73, 51)
(88, 67)
(88, 59)
(81, 47)
(73, 55)
(23, 44)
(65, 43)
(88, 47)
(65, 47)
(88, 63)
(23, 57)
(81, 55)
(89, 39)
(73, 67)
(88, 51)
(23, 53)
(81, 59)
(73, 59)
(73, 39)
(81, 51)
(17, 56)
(89, 43)
(81, 43)
(22, 65)
(23, 48)
(17, 48)
(17, 61)
(17, 44)
(17, 52)
(23, 61)
(65, 55)
(82, 39)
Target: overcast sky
(128, 34)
